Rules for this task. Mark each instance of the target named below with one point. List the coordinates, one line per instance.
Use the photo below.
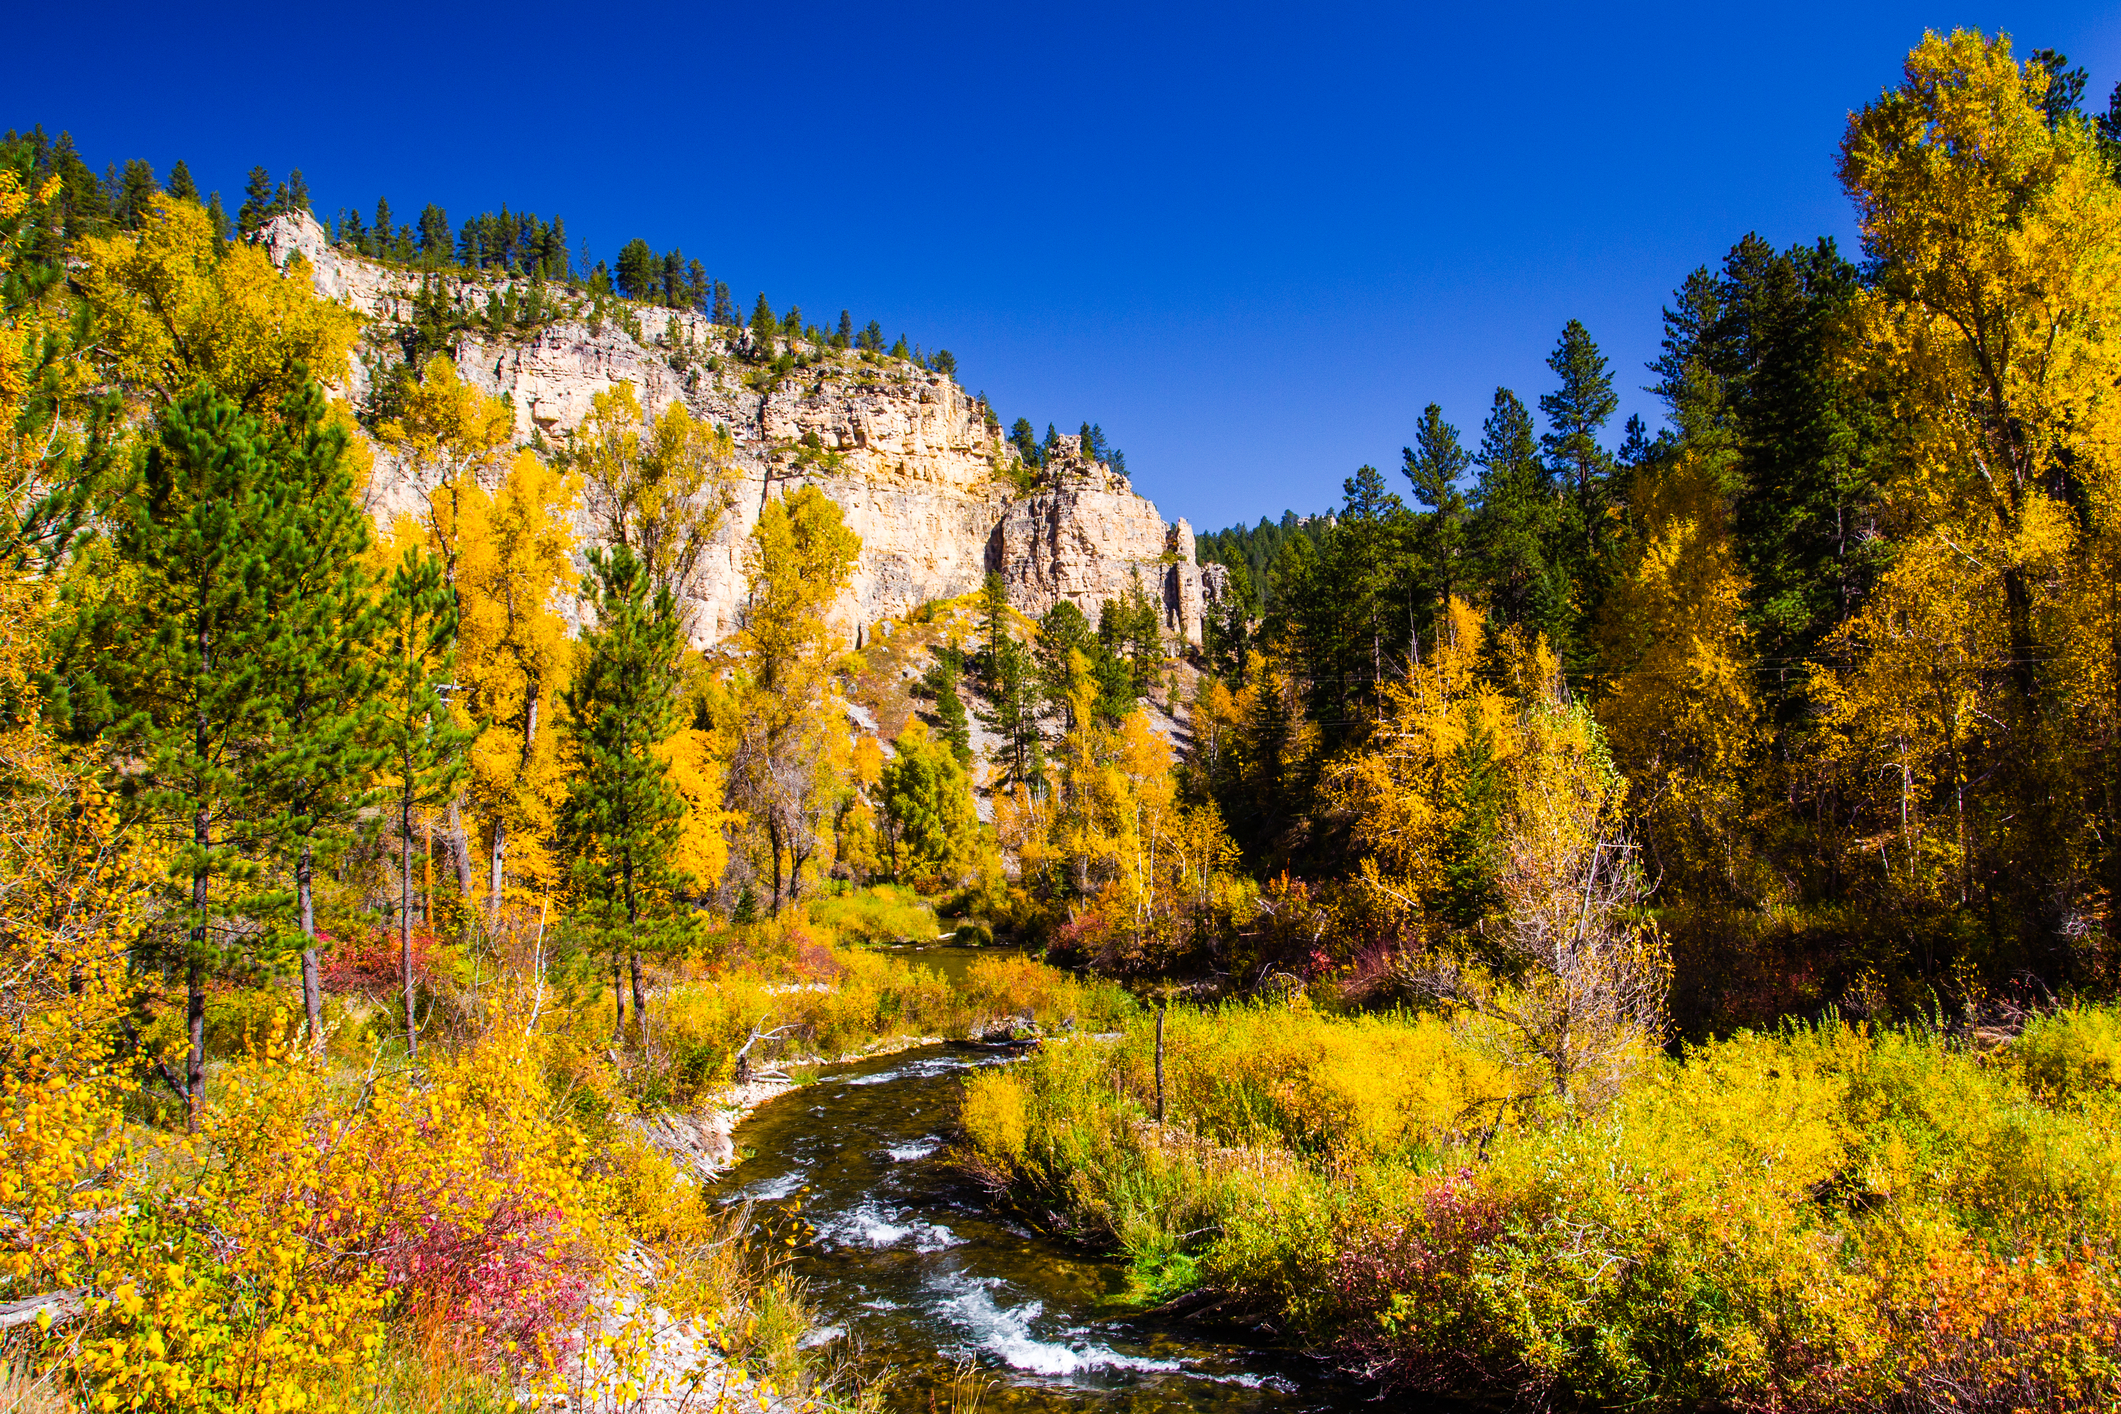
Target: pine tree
(2061, 96)
(845, 334)
(1433, 466)
(637, 269)
(257, 203)
(316, 775)
(297, 193)
(181, 663)
(1062, 630)
(994, 622)
(181, 185)
(623, 816)
(724, 307)
(951, 721)
(435, 244)
(1576, 412)
(421, 745)
(1014, 719)
(763, 323)
(1515, 525)
(352, 234)
(1026, 443)
(872, 338)
(217, 218)
(135, 196)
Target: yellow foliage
(514, 569)
(1682, 711)
(1903, 726)
(453, 1199)
(176, 306)
(790, 740)
(67, 913)
(1407, 790)
(697, 772)
(448, 440)
(663, 497)
(993, 1115)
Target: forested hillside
(1608, 925)
(1844, 623)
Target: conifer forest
(1602, 916)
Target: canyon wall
(912, 461)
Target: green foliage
(926, 804)
(185, 657)
(623, 816)
(950, 717)
(880, 913)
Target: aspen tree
(660, 487)
(448, 441)
(421, 742)
(175, 306)
(515, 557)
(801, 556)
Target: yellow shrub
(994, 1115)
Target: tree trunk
(412, 1035)
(460, 851)
(496, 871)
(773, 842)
(312, 980)
(640, 1005)
(496, 874)
(195, 979)
(618, 1002)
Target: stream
(914, 1268)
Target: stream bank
(909, 1268)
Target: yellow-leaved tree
(175, 306)
(1487, 821)
(790, 735)
(1153, 870)
(514, 568)
(659, 486)
(1975, 719)
(1682, 711)
(448, 441)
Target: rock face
(917, 467)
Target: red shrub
(370, 965)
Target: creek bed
(913, 1267)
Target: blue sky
(1250, 243)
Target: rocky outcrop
(917, 465)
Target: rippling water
(910, 1264)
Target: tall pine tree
(623, 815)
(321, 679)
(179, 668)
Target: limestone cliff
(921, 474)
